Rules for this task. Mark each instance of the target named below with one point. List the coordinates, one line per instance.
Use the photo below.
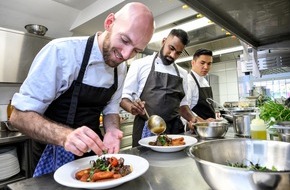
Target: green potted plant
(273, 112)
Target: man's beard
(166, 60)
(107, 52)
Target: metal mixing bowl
(211, 158)
(36, 29)
(211, 129)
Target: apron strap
(77, 88)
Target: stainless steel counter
(11, 137)
(166, 171)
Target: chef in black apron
(162, 91)
(201, 64)
(76, 107)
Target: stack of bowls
(9, 163)
(283, 130)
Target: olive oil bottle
(9, 110)
(258, 128)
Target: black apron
(162, 93)
(80, 105)
(203, 109)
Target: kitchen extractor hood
(267, 61)
(17, 51)
(262, 24)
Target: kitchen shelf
(22, 144)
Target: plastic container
(258, 128)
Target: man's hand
(82, 140)
(137, 107)
(112, 140)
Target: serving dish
(65, 175)
(189, 141)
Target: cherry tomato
(114, 161)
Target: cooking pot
(242, 122)
(228, 113)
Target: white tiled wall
(227, 81)
(6, 93)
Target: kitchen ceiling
(85, 17)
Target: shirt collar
(197, 76)
(96, 54)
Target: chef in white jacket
(161, 85)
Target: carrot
(85, 177)
(102, 175)
(116, 176)
(80, 173)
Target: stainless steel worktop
(11, 137)
(166, 171)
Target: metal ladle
(155, 123)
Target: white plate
(187, 139)
(65, 175)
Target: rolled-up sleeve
(44, 82)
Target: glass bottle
(9, 110)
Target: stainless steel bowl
(211, 129)
(211, 158)
(36, 29)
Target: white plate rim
(189, 141)
(65, 174)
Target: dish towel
(146, 132)
(51, 159)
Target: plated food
(165, 140)
(188, 141)
(66, 174)
(104, 168)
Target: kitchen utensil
(211, 129)
(283, 130)
(210, 101)
(211, 158)
(36, 29)
(242, 124)
(156, 124)
(8, 126)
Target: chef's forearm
(111, 121)
(186, 113)
(126, 104)
(37, 127)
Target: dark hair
(181, 34)
(200, 52)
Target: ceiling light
(227, 50)
(188, 26)
(217, 52)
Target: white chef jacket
(57, 65)
(138, 73)
(193, 92)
